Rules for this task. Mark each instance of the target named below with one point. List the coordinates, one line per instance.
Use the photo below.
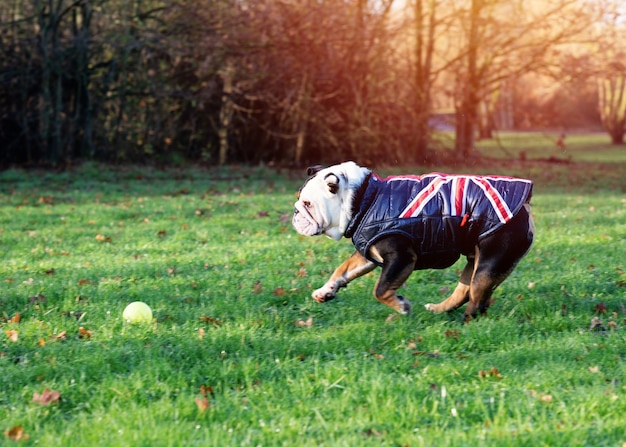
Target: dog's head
(324, 204)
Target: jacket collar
(360, 204)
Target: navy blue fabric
(439, 231)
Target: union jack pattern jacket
(442, 215)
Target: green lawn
(240, 355)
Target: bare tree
(504, 39)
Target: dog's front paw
(432, 308)
(325, 293)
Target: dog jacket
(442, 215)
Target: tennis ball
(137, 312)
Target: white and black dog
(406, 223)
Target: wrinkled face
(319, 205)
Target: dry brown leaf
(392, 317)
(47, 397)
(102, 238)
(15, 318)
(84, 333)
(16, 433)
(202, 403)
(600, 308)
(211, 320)
(279, 291)
(206, 390)
(12, 334)
(376, 355)
(61, 335)
(307, 323)
(452, 334)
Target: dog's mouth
(304, 223)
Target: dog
(410, 222)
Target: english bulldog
(414, 222)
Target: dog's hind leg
(354, 267)
(461, 293)
(496, 258)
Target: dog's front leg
(354, 267)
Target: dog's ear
(312, 170)
(333, 182)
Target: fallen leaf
(600, 308)
(61, 335)
(102, 238)
(15, 318)
(547, 398)
(376, 355)
(84, 333)
(302, 273)
(50, 272)
(201, 333)
(307, 323)
(452, 334)
(257, 288)
(279, 291)
(47, 397)
(202, 403)
(162, 233)
(207, 390)
(493, 372)
(594, 369)
(16, 433)
(372, 432)
(262, 214)
(45, 200)
(84, 282)
(392, 317)
(597, 325)
(12, 334)
(211, 320)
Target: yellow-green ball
(137, 312)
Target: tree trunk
(424, 48)
(467, 113)
(226, 112)
(612, 103)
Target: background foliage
(223, 81)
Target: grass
(231, 359)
